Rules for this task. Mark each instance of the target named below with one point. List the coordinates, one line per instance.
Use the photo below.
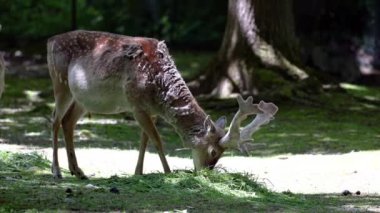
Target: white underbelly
(107, 96)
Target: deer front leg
(147, 125)
(68, 124)
(140, 161)
(143, 144)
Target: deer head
(216, 141)
(207, 139)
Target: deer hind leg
(147, 125)
(62, 103)
(68, 125)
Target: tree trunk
(258, 32)
(74, 14)
(376, 27)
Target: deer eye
(213, 152)
(160, 55)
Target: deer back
(124, 72)
(106, 73)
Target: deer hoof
(56, 173)
(79, 174)
(57, 176)
(138, 170)
(83, 177)
(138, 173)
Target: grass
(336, 123)
(26, 185)
(332, 122)
(323, 131)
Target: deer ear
(208, 125)
(221, 122)
(131, 51)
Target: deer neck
(177, 104)
(191, 124)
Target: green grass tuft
(181, 190)
(20, 162)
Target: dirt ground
(306, 173)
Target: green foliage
(22, 19)
(186, 21)
(179, 22)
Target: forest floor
(316, 149)
(301, 173)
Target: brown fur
(101, 72)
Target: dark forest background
(338, 38)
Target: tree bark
(258, 32)
(376, 27)
(74, 15)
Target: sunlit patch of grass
(339, 122)
(335, 123)
(33, 96)
(101, 121)
(204, 191)
(368, 93)
(10, 161)
(309, 129)
(354, 87)
(23, 189)
(24, 96)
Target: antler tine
(241, 140)
(246, 107)
(269, 110)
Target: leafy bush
(187, 21)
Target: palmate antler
(242, 139)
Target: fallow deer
(106, 73)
